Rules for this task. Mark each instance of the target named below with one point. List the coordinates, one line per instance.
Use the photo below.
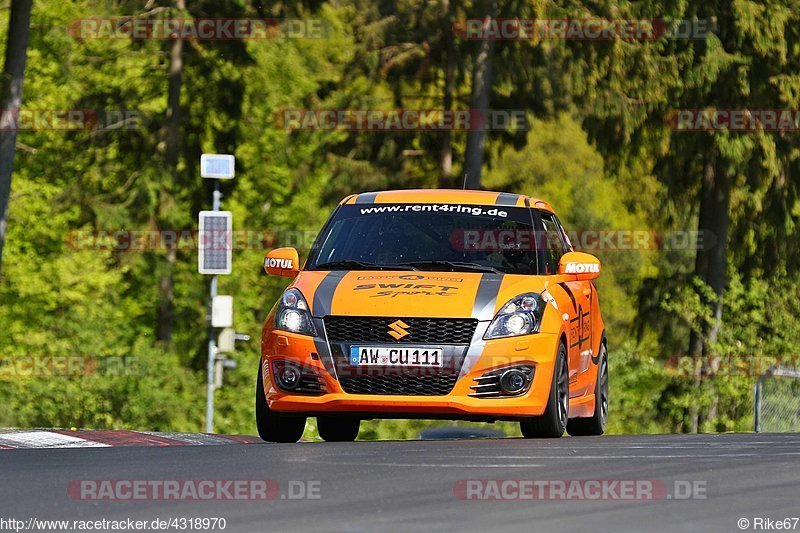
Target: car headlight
(520, 316)
(292, 314)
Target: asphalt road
(409, 485)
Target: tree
(736, 67)
(481, 91)
(449, 66)
(11, 102)
(165, 318)
(748, 61)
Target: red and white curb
(24, 439)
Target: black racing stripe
(486, 297)
(596, 356)
(366, 198)
(323, 350)
(506, 198)
(323, 296)
(571, 296)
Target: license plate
(394, 356)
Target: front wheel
(596, 424)
(552, 422)
(273, 427)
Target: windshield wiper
(348, 264)
(454, 265)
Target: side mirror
(581, 265)
(282, 262)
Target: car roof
(446, 196)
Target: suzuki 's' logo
(397, 329)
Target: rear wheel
(596, 424)
(552, 422)
(338, 428)
(273, 427)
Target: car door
(579, 329)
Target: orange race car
(468, 305)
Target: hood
(411, 294)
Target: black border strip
(507, 198)
(366, 198)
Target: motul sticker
(271, 262)
(581, 268)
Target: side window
(554, 240)
(567, 243)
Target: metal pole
(212, 342)
(757, 406)
(212, 350)
(217, 196)
(758, 394)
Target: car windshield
(468, 238)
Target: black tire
(273, 427)
(553, 421)
(596, 424)
(338, 428)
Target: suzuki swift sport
(435, 304)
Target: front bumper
(537, 350)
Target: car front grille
(420, 330)
(405, 385)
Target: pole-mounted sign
(218, 166)
(214, 256)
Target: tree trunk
(446, 153)
(11, 101)
(481, 90)
(710, 266)
(711, 261)
(165, 318)
(172, 144)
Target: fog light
(513, 381)
(289, 377)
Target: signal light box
(218, 166)
(215, 242)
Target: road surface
(422, 485)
